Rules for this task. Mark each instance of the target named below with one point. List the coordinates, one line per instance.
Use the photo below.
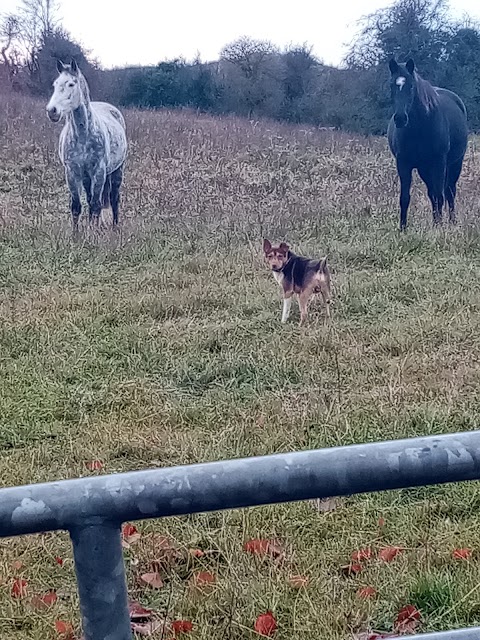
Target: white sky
(149, 31)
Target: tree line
(254, 78)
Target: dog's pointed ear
(267, 246)
(60, 66)
(284, 247)
(323, 265)
(410, 66)
(393, 66)
(73, 67)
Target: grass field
(162, 345)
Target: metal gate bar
(92, 509)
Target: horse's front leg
(74, 181)
(97, 178)
(405, 175)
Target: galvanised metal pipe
(460, 634)
(241, 483)
(102, 586)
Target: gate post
(102, 587)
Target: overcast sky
(148, 31)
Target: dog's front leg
(287, 303)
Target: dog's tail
(323, 265)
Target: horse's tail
(106, 193)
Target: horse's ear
(393, 65)
(410, 66)
(73, 67)
(60, 66)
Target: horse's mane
(427, 94)
(84, 86)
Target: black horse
(427, 132)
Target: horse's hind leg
(453, 174)
(106, 193)
(95, 205)
(74, 184)
(116, 182)
(434, 178)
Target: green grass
(162, 345)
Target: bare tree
(9, 32)
(248, 55)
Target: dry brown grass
(162, 345)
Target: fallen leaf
(407, 619)
(298, 582)
(130, 534)
(202, 583)
(351, 569)
(181, 626)
(153, 579)
(366, 592)
(262, 547)
(381, 522)
(19, 588)
(265, 624)
(64, 629)
(361, 554)
(59, 560)
(196, 553)
(324, 505)
(165, 552)
(17, 565)
(151, 627)
(138, 612)
(389, 553)
(44, 601)
(94, 465)
(462, 554)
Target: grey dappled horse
(92, 145)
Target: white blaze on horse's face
(400, 82)
(66, 97)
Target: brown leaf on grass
(351, 569)
(153, 579)
(137, 612)
(64, 629)
(462, 554)
(151, 627)
(201, 584)
(130, 535)
(19, 588)
(181, 626)
(165, 552)
(366, 593)
(361, 554)
(389, 553)
(44, 601)
(94, 465)
(265, 624)
(17, 565)
(59, 561)
(381, 522)
(263, 547)
(298, 582)
(407, 620)
(196, 553)
(324, 505)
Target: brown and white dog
(298, 275)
